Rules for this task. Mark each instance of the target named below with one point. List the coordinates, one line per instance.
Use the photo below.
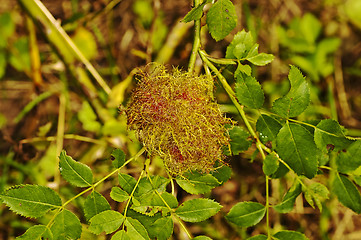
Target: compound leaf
(118, 157)
(287, 235)
(119, 195)
(239, 140)
(223, 174)
(245, 39)
(37, 232)
(296, 147)
(107, 221)
(248, 91)
(268, 128)
(297, 99)
(270, 164)
(197, 210)
(126, 182)
(221, 19)
(261, 59)
(328, 133)
(315, 193)
(196, 183)
(31, 200)
(347, 193)
(136, 230)
(95, 203)
(163, 228)
(246, 214)
(289, 199)
(76, 173)
(120, 235)
(66, 226)
(349, 159)
(194, 14)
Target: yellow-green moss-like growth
(176, 118)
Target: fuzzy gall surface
(175, 117)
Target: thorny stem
(260, 146)
(137, 155)
(196, 41)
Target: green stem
(267, 208)
(260, 146)
(196, 41)
(132, 194)
(232, 96)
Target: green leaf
(268, 128)
(162, 228)
(246, 69)
(296, 147)
(197, 210)
(239, 50)
(347, 193)
(297, 99)
(136, 231)
(221, 19)
(261, 59)
(127, 182)
(349, 159)
(246, 214)
(289, 199)
(316, 193)
(7, 28)
(85, 42)
(95, 203)
(280, 172)
(149, 204)
(239, 140)
(76, 173)
(120, 235)
(310, 27)
(223, 174)
(202, 238)
(258, 237)
(270, 164)
(146, 186)
(20, 57)
(107, 221)
(66, 226)
(248, 91)
(329, 134)
(240, 38)
(194, 14)
(118, 157)
(30, 200)
(352, 9)
(119, 195)
(196, 183)
(86, 115)
(37, 232)
(287, 235)
(146, 221)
